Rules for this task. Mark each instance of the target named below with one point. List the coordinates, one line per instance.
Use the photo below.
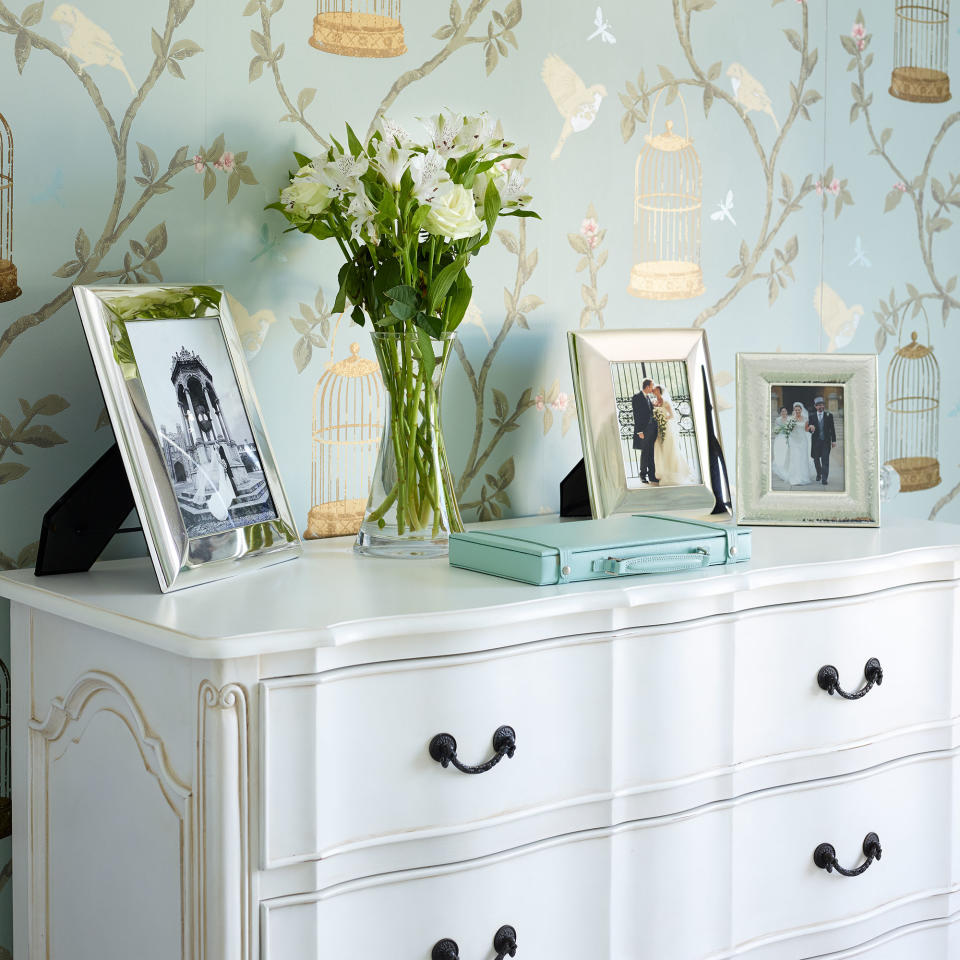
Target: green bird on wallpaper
(90, 44)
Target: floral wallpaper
(146, 140)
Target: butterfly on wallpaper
(51, 193)
(602, 28)
(724, 209)
(859, 257)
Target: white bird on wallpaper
(749, 92)
(839, 321)
(578, 104)
(602, 28)
(90, 44)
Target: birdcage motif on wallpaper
(5, 803)
(667, 215)
(8, 272)
(921, 45)
(358, 28)
(347, 403)
(913, 416)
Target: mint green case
(598, 549)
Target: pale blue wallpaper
(147, 138)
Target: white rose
(306, 198)
(454, 215)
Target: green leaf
(81, 246)
(40, 435)
(50, 405)
(353, 141)
(149, 163)
(442, 282)
(506, 473)
(893, 200)
(458, 302)
(245, 174)
(427, 360)
(157, 240)
(491, 205)
(70, 268)
(500, 405)
(209, 182)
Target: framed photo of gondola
(189, 430)
(648, 421)
(808, 439)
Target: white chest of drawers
(243, 770)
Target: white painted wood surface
(241, 770)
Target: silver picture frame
(603, 418)
(182, 556)
(858, 503)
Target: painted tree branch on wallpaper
(931, 200)
(88, 263)
(748, 97)
(456, 35)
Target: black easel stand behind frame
(78, 527)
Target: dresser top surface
(331, 596)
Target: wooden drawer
(730, 879)
(610, 728)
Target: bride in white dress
(799, 462)
(671, 465)
(781, 433)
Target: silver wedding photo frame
(186, 420)
(779, 467)
(610, 369)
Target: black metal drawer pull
(825, 857)
(829, 679)
(504, 942)
(443, 749)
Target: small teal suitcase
(597, 549)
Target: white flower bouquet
(408, 217)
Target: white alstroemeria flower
(362, 211)
(513, 188)
(428, 171)
(477, 133)
(349, 166)
(393, 132)
(392, 162)
(444, 129)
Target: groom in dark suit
(823, 438)
(645, 431)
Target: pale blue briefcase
(597, 549)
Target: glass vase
(412, 508)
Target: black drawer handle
(825, 857)
(504, 942)
(829, 679)
(443, 749)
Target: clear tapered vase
(412, 508)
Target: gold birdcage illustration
(5, 806)
(8, 272)
(346, 431)
(667, 215)
(913, 416)
(921, 46)
(358, 28)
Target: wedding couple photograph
(657, 435)
(807, 438)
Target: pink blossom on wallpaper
(901, 186)
(540, 403)
(590, 230)
(859, 31)
(225, 162)
(198, 163)
(819, 188)
(561, 402)
(834, 187)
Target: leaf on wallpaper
(252, 328)
(839, 321)
(103, 420)
(602, 28)
(749, 92)
(474, 317)
(577, 103)
(89, 44)
(554, 403)
(314, 326)
(588, 243)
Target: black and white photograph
(657, 432)
(807, 438)
(201, 424)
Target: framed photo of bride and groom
(807, 439)
(647, 420)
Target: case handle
(659, 563)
